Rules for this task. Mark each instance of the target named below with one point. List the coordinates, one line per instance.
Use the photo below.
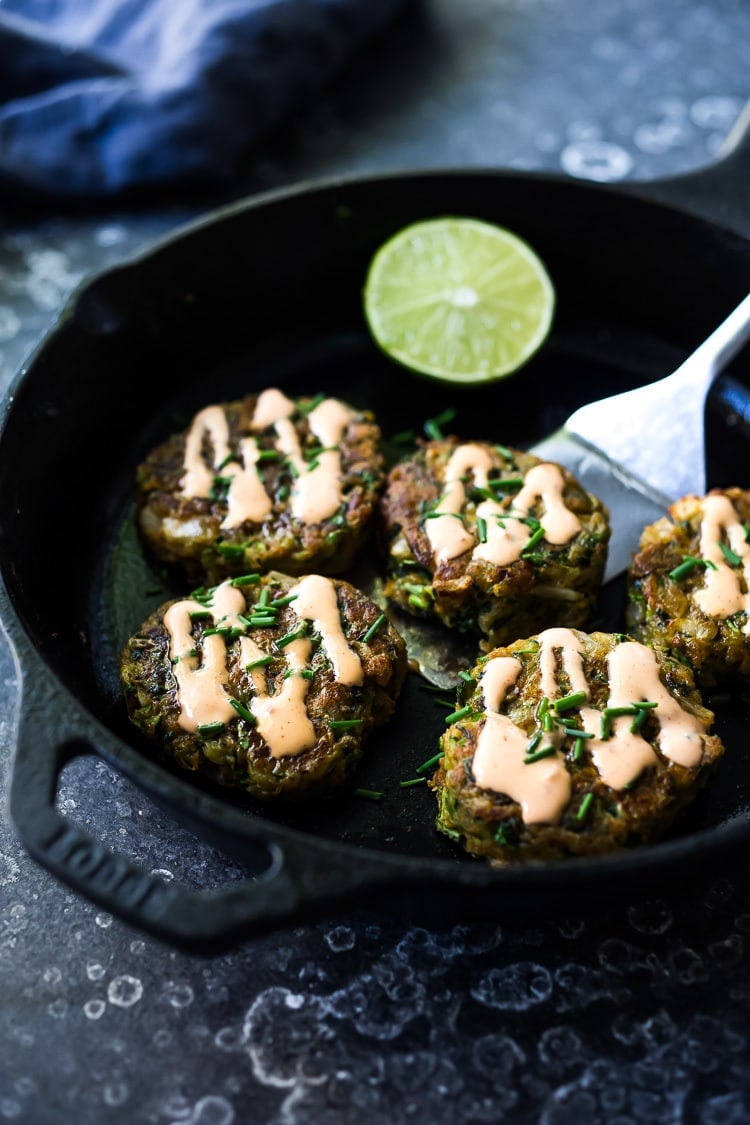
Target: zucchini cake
(689, 585)
(267, 683)
(491, 540)
(263, 483)
(571, 744)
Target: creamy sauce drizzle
(282, 719)
(201, 686)
(721, 594)
(315, 600)
(507, 538)
(542, 788)
(316, 494)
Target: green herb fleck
(242, 711)
(373, 629)
(345, 724)
(545, 752)
(370, 794)
(430, 763)
(412, 781)
(245, 580)
(731, 556)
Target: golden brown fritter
(234, 752)
(546, 585)
(671, 573)
(610, 764)
(189, 530)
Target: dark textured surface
(639, 1013)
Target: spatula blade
(631, 503)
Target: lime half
(458, 299)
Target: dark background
(637, 1013)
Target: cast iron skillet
(267, 292)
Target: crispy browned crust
(660, 609)
(238, 756)
(187, 531)
(553, 586)
(490, 825)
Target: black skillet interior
(269, 293)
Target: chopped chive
(430, 763)
(439, 515)
(199, 614)
(584, 806)
(307, 673)
(418, 602)
(306, 408)
(291, 468)
(542, 708)
(262, 621)
(370, 794)
(242, 711)
(433, 426)
(504, 452)
(268, 454)
(456, 715)
(449, 703)
(345, 724)
(575, 732)
(731, 556)
(545, 752)
(534, 539)
(277, 603)
(482, 529)
(569, 702)
(245, 580)
(645, 704)
(231, 550)
(617, 712)
(578, 749)
(638, 721)
(405, 437)
(505, 484)
(373, 629)
(210, 728)
(687, 566)
(746, 532)
(412, 781)
(261, 662)
(263, 599)
(295, 636)
(467, 679)
(227, 460)
(283, 492)
(534, 741)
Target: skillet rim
(655, 857)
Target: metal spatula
(640, 450)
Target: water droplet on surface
(124, 991)
(515, 987)
(340, 939)
(596, 160)
(94, 1009)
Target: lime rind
(458, 299)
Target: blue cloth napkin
(97, 96)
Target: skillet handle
(300, 878)
(719, 192)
